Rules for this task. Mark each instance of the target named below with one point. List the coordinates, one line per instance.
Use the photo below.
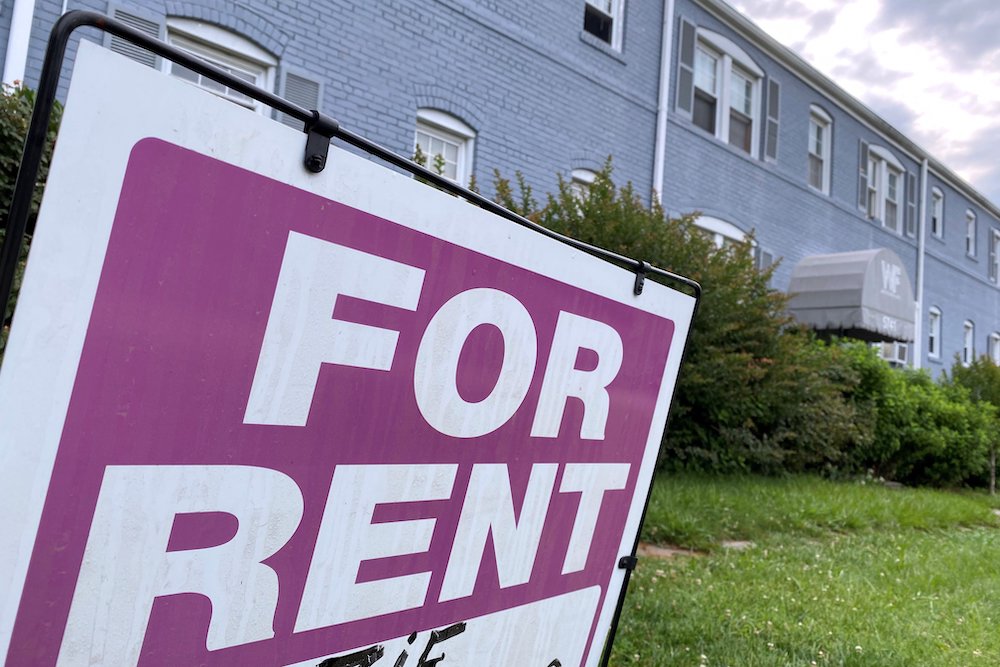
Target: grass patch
(841, 574)
(700, 512)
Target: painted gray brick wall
(544, 98)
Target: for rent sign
(256, 416)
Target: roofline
(737, 21)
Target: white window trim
(730, 55)
(720, 230)
(970, 238)
(212, 41)
(617, 22)
(968, 342)
(937, 199)
(448, 127)
(822, 118)
(995, 347)
(934, 332)
(580, 181)
(994, 255)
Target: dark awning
(864, 294)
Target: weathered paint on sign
(346, 419)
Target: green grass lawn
(839, 574)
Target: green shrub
(925, 433)
(16, 104)
(753, 389)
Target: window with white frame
(995, 347)
(820, 125)
(603, 20)
(727, 94)
(934, 333)
(580, 182)
(226, 50)
(444, 144)
(937, 213)
(994, 268)
(882, 178)
(968, 342)
(970, 233)
(722, 233)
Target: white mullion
(725, 81)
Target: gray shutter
(685, 70)
(993, 255)
(863, 177)
(911, 204)
(142, 22)
(771, 126)
(302, 91)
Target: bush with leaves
(16, 104)
(982, 380)
(924, 432)
(755, 392)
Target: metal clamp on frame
(319, 130)
(640, 277)
(628, 563)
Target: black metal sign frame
(320, 130)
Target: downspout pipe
(16, 58)
(918, 322)
(663, 100)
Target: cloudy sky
(931, 68)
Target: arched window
(446, 144)
(820, 130)
(934, 332)
(721, 232)
(227, 51)
(727, 85)
(968, 342)
(580, 182)
(970, 233)
(882, 181)
(995, 347)
(937, 213)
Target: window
(727, 87)
(880, 186)
(995, 347)
(819, 149)
(994, 268)
(580, 182)
(937, 213)
(446, 144)
(227, 51)
(722, 233)
(934, 333)
(603, 20)
(970, 233)
(968, 342)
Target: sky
(930, 68)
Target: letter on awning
(863, 294)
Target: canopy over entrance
(863, 294)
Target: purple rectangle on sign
(188, 294)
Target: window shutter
(302, 91)
(771, 126)
(863, 177)
(685, 70)
(911, 204)
(994, 242)
(143, 23)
